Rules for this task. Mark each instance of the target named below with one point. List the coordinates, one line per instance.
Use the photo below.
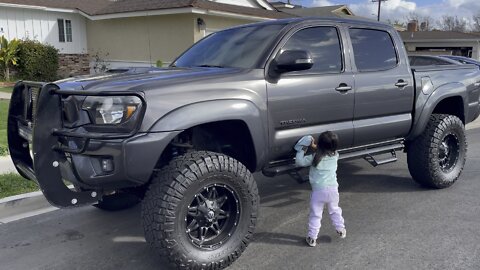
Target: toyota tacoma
(185, 140)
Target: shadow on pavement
(287, 239)
(287, 191)
(350, 180)
(279, 239)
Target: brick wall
(73, 65)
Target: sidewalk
(6, 165)
(4, 95)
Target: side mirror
(293, 60)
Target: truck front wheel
(200, 211)
(436, 158)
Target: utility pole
(379, 5)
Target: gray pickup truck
(185, 140)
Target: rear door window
(373, 49)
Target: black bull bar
(34, 128)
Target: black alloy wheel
(212, 216)
(448, 152)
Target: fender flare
(425, 105)
(205, 112)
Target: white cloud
(464, 4)
(321, 3)
(400, 9)
(393, 9)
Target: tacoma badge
(292, 122)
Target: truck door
(383, 86)
(314, 100)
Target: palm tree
(8, 55)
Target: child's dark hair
(327, 144)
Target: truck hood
(145, 80)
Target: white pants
(318, 199)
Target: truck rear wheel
(200, 211)
(436, 158)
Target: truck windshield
(238, 47)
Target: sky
(400, 9)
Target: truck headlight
(111, 110)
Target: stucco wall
(215, 23)
(140, 39)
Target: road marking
(129, 239)
(473, 125)
(27, 215)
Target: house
(124, 32)
(442, 42)
(324, 11)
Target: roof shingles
(105, 7)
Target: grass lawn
(3, 126)
(6, 89)
(13, 184)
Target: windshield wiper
(216, 66)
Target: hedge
(37, 61)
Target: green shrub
(159, 63)
(8, 55)
(37, 61)
(13, 184)
(4, 104)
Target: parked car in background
(462, 59)
(429, 60)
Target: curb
(24, 205)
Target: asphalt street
(392, 223)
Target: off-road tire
(424, 153)
(118, 201)
(168, 201)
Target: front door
(315, 100)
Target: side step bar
(367, 152)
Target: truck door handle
(401, 83)
(343, 87)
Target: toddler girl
(323, 179)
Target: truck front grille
(30, 98)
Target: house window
(68, 30)
(64, 30)
(61, 30)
